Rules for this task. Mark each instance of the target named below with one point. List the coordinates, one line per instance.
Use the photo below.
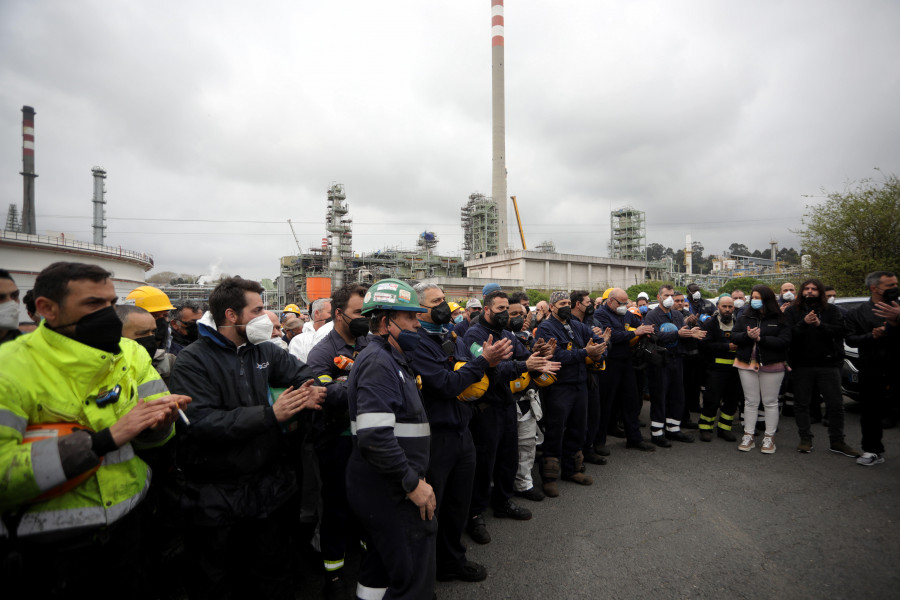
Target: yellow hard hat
(454, 306)
(606, 293)
(474, 391)
(517, 386)
(633, 341)
(292, 308)
(545, 379)
(150, 299)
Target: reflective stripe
(367, 593)
(673, 428)
(725, 427)
(673, 422)
(704, 426)
(47, 465)
(325, 379)
(656, 424)
(121, 455)
(334, 565)
(724, 361)
(412, 430)
(368, 420)
(13, 421)
(401, 430)
(151, 388)
(728, 418)
(77, 518)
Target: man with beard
(816, 355)
(240, 484)
(723, 384)
(565, 402)
(183, 324)
(494, 424)
(451, 470)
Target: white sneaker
(747, 444)
(869, 458)
(768, 445)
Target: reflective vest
(46, 377)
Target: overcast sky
(716, 118)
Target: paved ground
(698, 520)
(703, 520)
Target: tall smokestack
(99, 205)
(29, 223)
(498, 106)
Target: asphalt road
(704, 520)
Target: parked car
(850, 368)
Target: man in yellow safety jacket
(87, 400)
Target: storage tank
(317, 287)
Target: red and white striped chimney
(29, 225)
(498, 111)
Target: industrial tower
(340, 234)
(628, 235)
(481, 225)
(498, 112)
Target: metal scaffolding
(480, 223)
(628, 234)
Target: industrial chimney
(29, 224)
(498, 106)
(99, 205)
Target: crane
(519, 221)
(299, 249)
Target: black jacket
(774, 337)
(813, 346)
(233, 454)
(873, 353)
(715, 347)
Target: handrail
(46, 240)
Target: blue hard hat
(669, 328)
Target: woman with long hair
(762, 337)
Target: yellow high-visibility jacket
(46, 377)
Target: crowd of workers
(387, 415)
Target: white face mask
(669, 302)
(278, 342)
(788, 296)
(9, 315)
(260, 329)
(739, 303)
(621, 310)
(696, 295)
(831, 300)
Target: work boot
(549, 474)
(661, 441)
(335, 589)
(532, 493)
(705, 435)
(726, 435)
(578, 476)
(594, 458)
(477, 530)
(601, 449)
(679, 436)
(805, 445)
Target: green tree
(853, 233)
(651, 287)
(739, 249)
(655, 251)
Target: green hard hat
(391, 294)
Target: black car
(850, 369)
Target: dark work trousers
(565, 422)
(694, 379)
(807, 384)
(621, 387)
(337, 519)
(399, 561)
(879, 389)
(666, 395)
(451, 472)
(723, 391)
(597, 398)
(79, 566)
(496, 435)
(244, 559)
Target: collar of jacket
(80, 363)
(214, 336)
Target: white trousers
(758, 387)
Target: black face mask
(192, 332)
(148, 343)
(515, 324)
(890, 295)
(162, 332)
(564, 313)
(357, 327)
(474, 316)
(589, 311)
(811, 300)
(101, 329)
(440, 314)
(499, 320)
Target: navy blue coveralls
(666, 382)
(565, 408)
(391, 444)
(597, 399)
(620, 380)
(331, 431)
(451, 470)
(494, 424)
